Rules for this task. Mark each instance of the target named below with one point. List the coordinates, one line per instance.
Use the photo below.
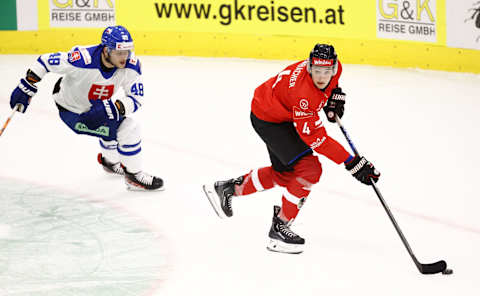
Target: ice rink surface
(68, 228)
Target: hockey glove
(22, 95)
(362, 170)
(120, 107)
(100, 112)
(335, 104)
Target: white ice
(419, 128)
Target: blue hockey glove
(100, 112)
(22, 95)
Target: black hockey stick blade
(432, 268)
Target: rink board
(382, 53)
(427, 34)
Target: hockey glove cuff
(362, 170)
(127, 105)
(335, 104)
(22, 95)
(120, 107)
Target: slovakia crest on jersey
(101, 92)
(74, 56)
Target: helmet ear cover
(323, 55)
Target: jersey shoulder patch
(82, 56)
(134, 64)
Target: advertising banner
(328, 18)
(463, 24)
(21, 15)
(414, 20)
(8, 15)
(81, 13)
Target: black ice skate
(142, 181)
(282, 239)
(111, 168)
(220, 196)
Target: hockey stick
(431, 268)
(8, 119)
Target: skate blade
(132, 187)
(213, 199)
(281, 247)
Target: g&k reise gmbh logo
(474, 15)
(82, 13)
(407, 20)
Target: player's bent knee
(314, 175)
(128, 131)
(310, 169)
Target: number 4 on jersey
(306, 129)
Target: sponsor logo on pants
(101, 131)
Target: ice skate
(111, 168)
(220, 196)
(281, 238)
(142, 181)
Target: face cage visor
(323, 70)
(121, 47)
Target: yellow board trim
(401, 54)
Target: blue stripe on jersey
(42, 63)
(136, 103)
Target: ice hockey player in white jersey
(83, 95)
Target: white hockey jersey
(84, 80)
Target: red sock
(294, 197)
(297, 183)
(256, 180)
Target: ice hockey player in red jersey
(286, 114)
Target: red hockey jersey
(291, 96)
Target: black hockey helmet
(323, 55)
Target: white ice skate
(142, 181)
